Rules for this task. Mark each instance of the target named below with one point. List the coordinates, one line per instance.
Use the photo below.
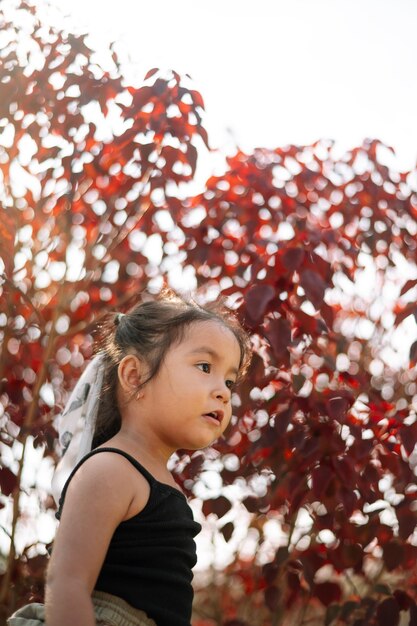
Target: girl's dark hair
(148, 330)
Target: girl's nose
(222, 392)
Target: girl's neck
(133, 443)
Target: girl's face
(187, 405)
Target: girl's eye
(206, 368)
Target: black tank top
(151, 555)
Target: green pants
(109, 611)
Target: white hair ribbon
(76, 423)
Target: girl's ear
(130, 373)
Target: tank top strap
(142, 470)
(133, 461)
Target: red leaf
(408, 285)
(292, 258)
(403, 599)
(257, 299)
(145, 151)
(314, 287)
(327, 592)
(393, 555)
(308, 324)
(407, 520)
(251, 504)
(278, 334)
(353, 554)
(272, 596)
(298, 381)
(269, 572)
(220, 506)
(282, 420)
(337, 408)
(410, 556)
(204, 136)
(402, 312)
(408, 436)
(321, 477)
(141, 97)
(151, 72)
(413, 354)
(8, 481)
(388, 613)
(227, 530)
(7, 236)
(192, 157)
(197, 98)
(349, 500)
(159, 87)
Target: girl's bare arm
(98, 499)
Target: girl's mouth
(215, 417)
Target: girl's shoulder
(109, 477)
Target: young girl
(124, 550)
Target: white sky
(278, 71)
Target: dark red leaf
(278, 334)
(8, 481)
(404, 601)
(269, 572)
(293, 258)
(257, 299)
(141, 97)
(192, 157)
(282, 421)
(413, 354)
(403, 311)
(393, 555)
(145, 151)
(321, 477)
(408, 285)
(353, 554)
(251, 504)
(327, 592)
(309, 324)
(227, 530)
(298, 381)
(349, 499)
(7, 237)
(407, 520)
(314, 287)
(160, 86)
(220, 506)
(272, 597)
(281, 555)
(337, 408)
(408, 435)
(388, 613)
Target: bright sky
(278, 71)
